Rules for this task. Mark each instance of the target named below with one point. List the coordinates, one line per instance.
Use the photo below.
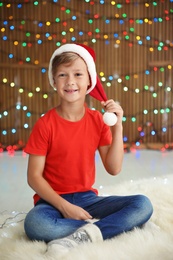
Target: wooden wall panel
(114, 31)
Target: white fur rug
(152, 242)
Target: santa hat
(88, 55)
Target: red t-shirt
(69, 148)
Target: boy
(61, 166)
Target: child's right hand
(74, 212)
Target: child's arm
(112, 156)
(44, 190)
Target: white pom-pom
(109, 119)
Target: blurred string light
(28, 114)
(123, 18)
(129, 36)
(148, 129)
(110, 79)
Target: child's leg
(46, 223)
(116, 214)
(119, 214)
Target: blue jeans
(116, 214)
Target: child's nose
(70, 81)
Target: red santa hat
(88, 55)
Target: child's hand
(113, 107)
(75, 212)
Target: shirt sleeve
(106, 136)
(38, 141)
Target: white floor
(15, 194)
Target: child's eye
(78, 74)
(61, 75)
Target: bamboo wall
(133, 41)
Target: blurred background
(133, 41)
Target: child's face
(72, 80)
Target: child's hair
(64, 58)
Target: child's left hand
(113, 107)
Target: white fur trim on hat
(84, 54)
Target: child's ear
(54, 83)
(89, 82)
(89, 85)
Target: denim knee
(36, 227)
(146, 208)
